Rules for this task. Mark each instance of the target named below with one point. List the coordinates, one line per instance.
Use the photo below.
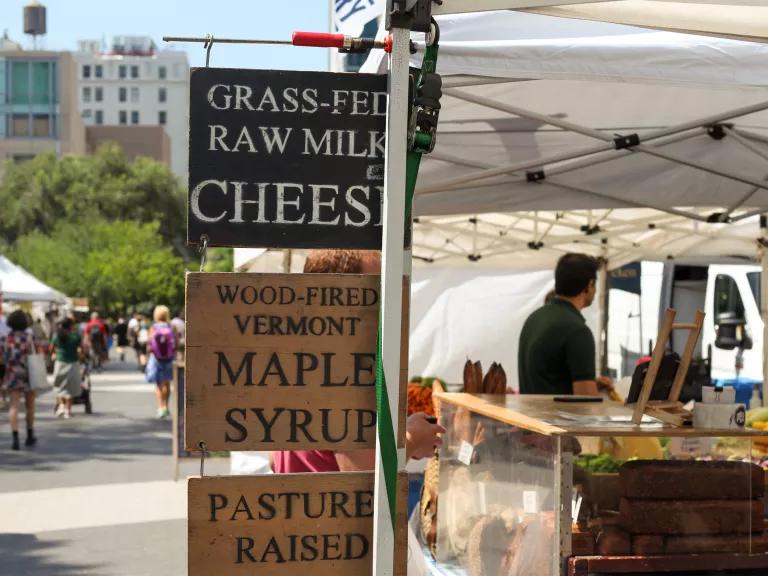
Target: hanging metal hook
(203, 251)
(203, 452)
(207, 46)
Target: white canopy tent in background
(18, 285)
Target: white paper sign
(350, 16)
(530, 502)
(465, 453)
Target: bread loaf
(613, 541)
(691, 480)
(754, 543)
(647, 544)
(487, 546)
(691, 517)
(582, 542)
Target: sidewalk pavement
(96, 496)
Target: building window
(99, 116)
(162, 117)
(122, 94)
(134, 117)
(98, 71)
(134, 71)
(177, 70)
(122, 71)
(162, 72)
(35, 125)
(134, 93)
(86, 71)
(41, 125)
(98, 94)
(19, 125)
(32, 82)
(123, 117)
(162, 95)
(87, 113)
(86, 93)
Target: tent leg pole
(601, 360)
(395, 267)
(764, 304)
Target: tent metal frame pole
(703, 167)
(608, 146)
(752, 148)
(396, 265)
(750, 214)
(746, 143)
(764, 306)
(597, 134)
(751, 135)
(629, 203)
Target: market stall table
(513, 502)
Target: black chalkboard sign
(286, 159)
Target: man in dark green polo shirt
(557, 349)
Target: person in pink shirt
(421, 436)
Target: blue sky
(72, 20)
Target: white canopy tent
(528, 96)
(525, 93)
(738, 19)
(532, 118)
(18, 285)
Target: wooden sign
(275, 525)
(281, 361)
(286, 524)
(286, 159)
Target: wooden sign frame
(281, 361)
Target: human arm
(421, 436)
(421, 439)
(356, 460)
(580, 358)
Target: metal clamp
(207, 47)
(203, 453)
(203, 251)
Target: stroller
(85, 387)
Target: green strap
(385, 427)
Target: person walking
(16, 347)
(67, 346)
(120, 335)
(179, 329)
(162, 349)
(96, 338)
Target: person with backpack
(96, 334)
(162, 349)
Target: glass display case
(530, 486)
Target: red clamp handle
(318, 39)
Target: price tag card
(465, 453)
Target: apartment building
(129, 82)
(38, 103)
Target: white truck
(730, 295)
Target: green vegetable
(599, 464)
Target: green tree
(116, 265)
(36, 195)
(220, 260)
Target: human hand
(604, 383)
(421, 436)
